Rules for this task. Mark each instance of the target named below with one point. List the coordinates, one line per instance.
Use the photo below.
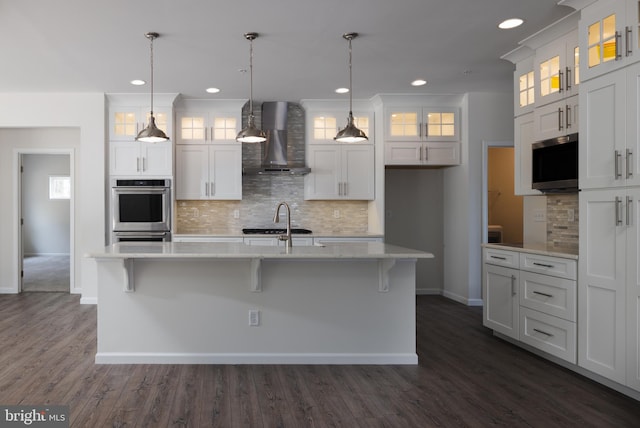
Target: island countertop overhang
(232, 250)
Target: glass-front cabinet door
(422, 124)
(557, 70)
(201, 127)
(610, 36)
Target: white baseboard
(8, 291)
(88, 300)
(461, 299)
(344, 359)
(429, 291)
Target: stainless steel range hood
(275, 159)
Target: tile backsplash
(562, 221)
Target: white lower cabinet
(501, 311)
(531, 297)
(209, 172)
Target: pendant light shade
(251, 134)
(151, 134)
(350, 133)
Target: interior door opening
(45, 232)
(502, 208)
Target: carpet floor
(46, 273)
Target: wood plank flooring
(466, 378)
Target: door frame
(17, 204)
(485, 183)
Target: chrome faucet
(276, 219)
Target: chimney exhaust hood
(275, 159)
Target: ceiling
(87, 46)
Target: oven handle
(141, 234)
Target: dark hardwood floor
(466, 378)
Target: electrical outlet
(254, 317)
(236, 213)
(540, 215)
(571, 215)
(336, 213)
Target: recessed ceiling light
(342, 90)
(137, 82)
(212, 90)
(419, 82)
(510, 23)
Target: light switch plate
(539, 215)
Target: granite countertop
(226, 250)
(546, 250)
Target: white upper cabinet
(129, 114)
(610, 131)
(556, 119)
(209, 172)
(136, 158)
(421, 124)
(523, 139)
(415, 153)
(323, 125)
(201, 127)
(557, 69)
(609, 36)
(340, 171)
(524, 87)
(206, 121)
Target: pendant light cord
(251, 76)
(350, 79)
(151, 37)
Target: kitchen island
(231, 303)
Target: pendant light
(350, 133)
(251, 134)
(151, 134)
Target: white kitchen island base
(190, 309)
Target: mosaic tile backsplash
(562, 231)
(261, 194)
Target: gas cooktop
(273, 231)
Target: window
(59, 187)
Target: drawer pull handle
(499, 258)
(543, 294)
(542, 264)
(543, 332)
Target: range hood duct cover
(274, 156)
(274, 123)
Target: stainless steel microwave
(554, 165)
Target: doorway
(502, 208)
(45, 241)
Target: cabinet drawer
(549, 334)
(548, 294)
(501, 257)
(556, 266)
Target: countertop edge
(533, 249)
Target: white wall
(31, 111)
(46, 221)
(413, 219)
(485, 117)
